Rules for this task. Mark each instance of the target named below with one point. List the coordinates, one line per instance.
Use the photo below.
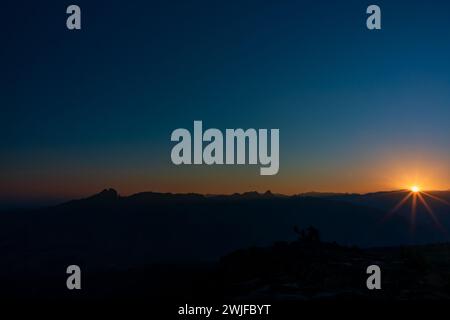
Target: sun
(418, 197)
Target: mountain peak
(106, 194)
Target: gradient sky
(357, 110)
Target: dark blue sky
(357, 110)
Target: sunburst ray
(413, 212)
(430, 212)
(397, 206)
(436, 198)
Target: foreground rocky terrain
(302, 271)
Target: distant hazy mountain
(438, 202)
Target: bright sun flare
(417, 197)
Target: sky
(358, 110)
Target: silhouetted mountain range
(164, 226)
(110, 232)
